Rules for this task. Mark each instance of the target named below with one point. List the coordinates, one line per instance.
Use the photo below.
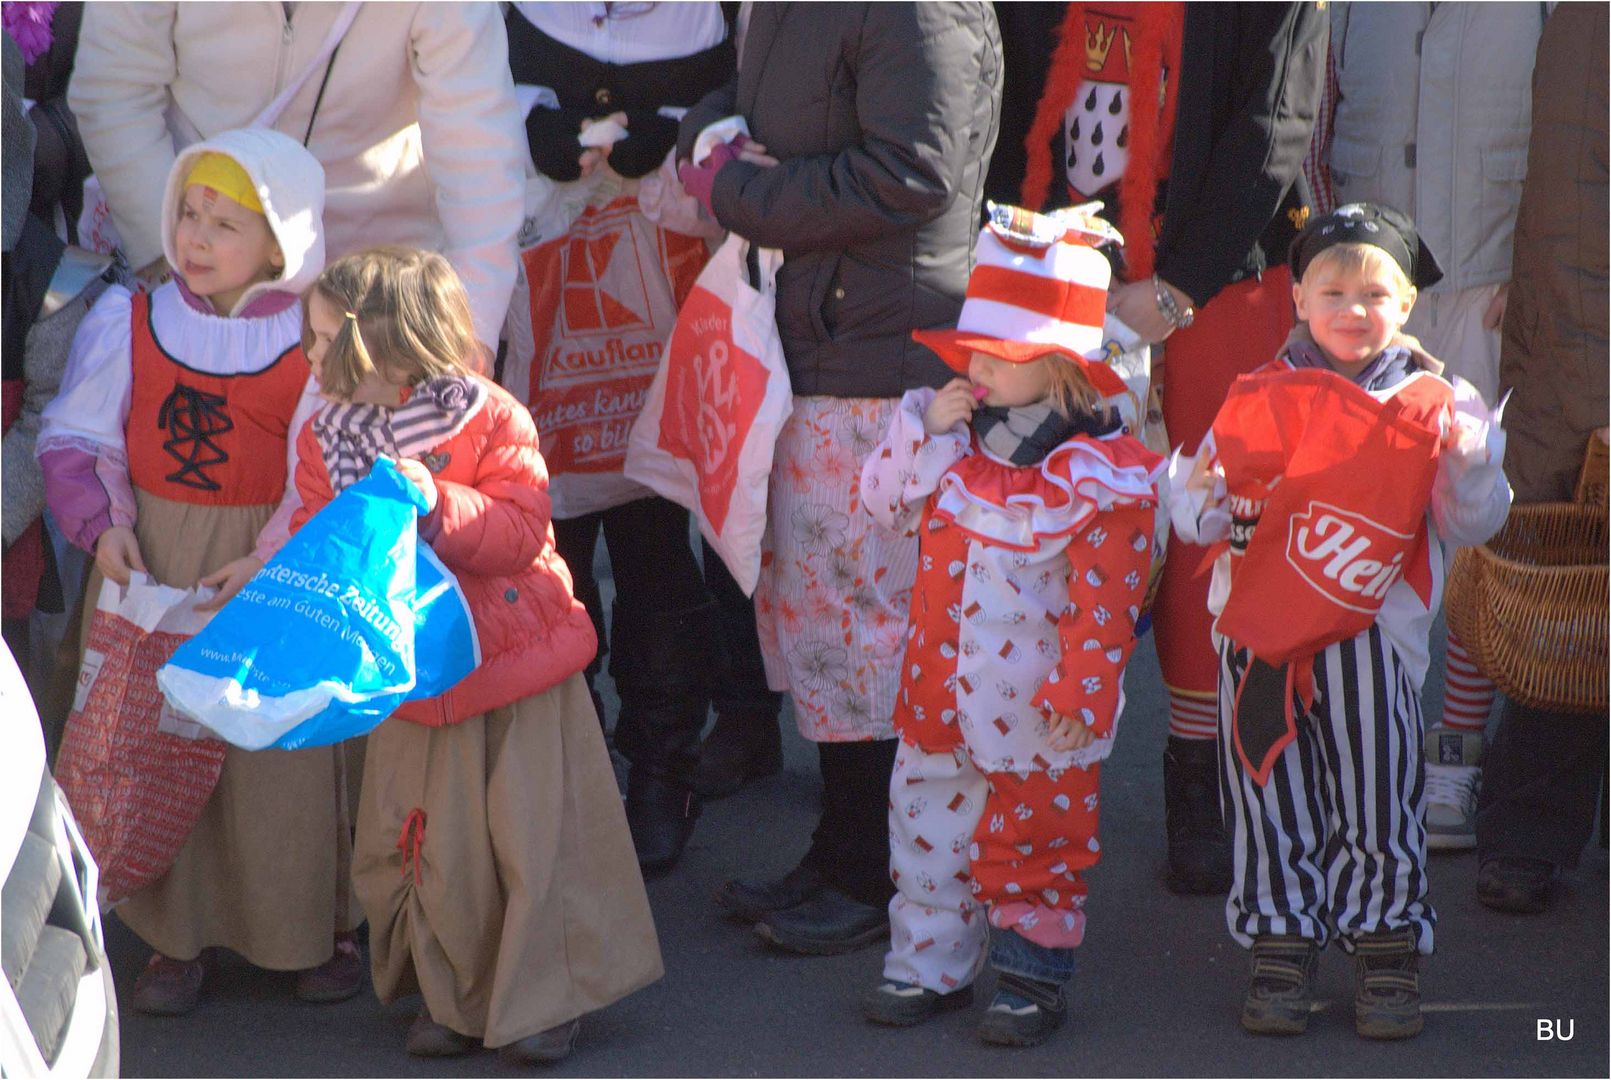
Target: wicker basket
(1531, 606)
(1592, 481)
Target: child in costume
(1035, 511)
(492, 854)
(168, 451)
(1331, 478)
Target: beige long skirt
(494, 863)
(266, 871)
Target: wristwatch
(1168, 308)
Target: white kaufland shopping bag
(711, 421)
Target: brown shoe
(1281, 990)
(545, 1047)
(1387, 995)
(427, 1038)
(337, 979)
(169, 987)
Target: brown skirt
(266, 871)
(495, 866)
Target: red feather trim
(1157, 47)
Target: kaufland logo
(1348, 558)
(589, 307)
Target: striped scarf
(353, 435)
(1026, 434)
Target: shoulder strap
(338, 30)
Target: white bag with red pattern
(709, 426)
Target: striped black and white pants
(1334, 844)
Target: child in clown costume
(1036, 513)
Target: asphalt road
(1157, 992)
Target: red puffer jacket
(491, 527)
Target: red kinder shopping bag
(603, 298)
(136, 774)
(709, 427)
(1338, 484)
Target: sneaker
(900, 1004)
(1517, 885)
(427, 1038)
(1453, 779)
(1280, 992)
(1023, 1012)
(545, 1047)
(337, 979)
(1387, 995)
(751, 900)
(830, 923)
(169, 987)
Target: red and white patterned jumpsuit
(1030, 581)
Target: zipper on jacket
(283, 59)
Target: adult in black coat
(873, 127)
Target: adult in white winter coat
(413, 118)
(1432, 118)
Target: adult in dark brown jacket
(1544, 771)
(877, 123)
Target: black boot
(661, 663)
(744, 745)
(1199, 854)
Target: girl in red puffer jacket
(526, 908)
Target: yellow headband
(224, 175)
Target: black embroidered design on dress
(193, 419)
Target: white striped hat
(1039, 286)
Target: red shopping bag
(708, 430)
(136, 784)
(1338, 484)
(603, 298)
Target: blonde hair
(1362, 259)
(1072, 391)
(405, 314)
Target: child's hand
(229, 579)
(954, 404)
(1070, 734)
(117, 553)
(421, 478)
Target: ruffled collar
(217, 345)
(1018, 508)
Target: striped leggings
(1334, 844)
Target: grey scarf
(1024, 435)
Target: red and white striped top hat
(1039, 286)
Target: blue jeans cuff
(1015, 954)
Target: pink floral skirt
(835, 586)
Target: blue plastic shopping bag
(353, 617)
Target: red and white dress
(1030, 581)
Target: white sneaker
(1453, 779)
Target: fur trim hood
(290, 185)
